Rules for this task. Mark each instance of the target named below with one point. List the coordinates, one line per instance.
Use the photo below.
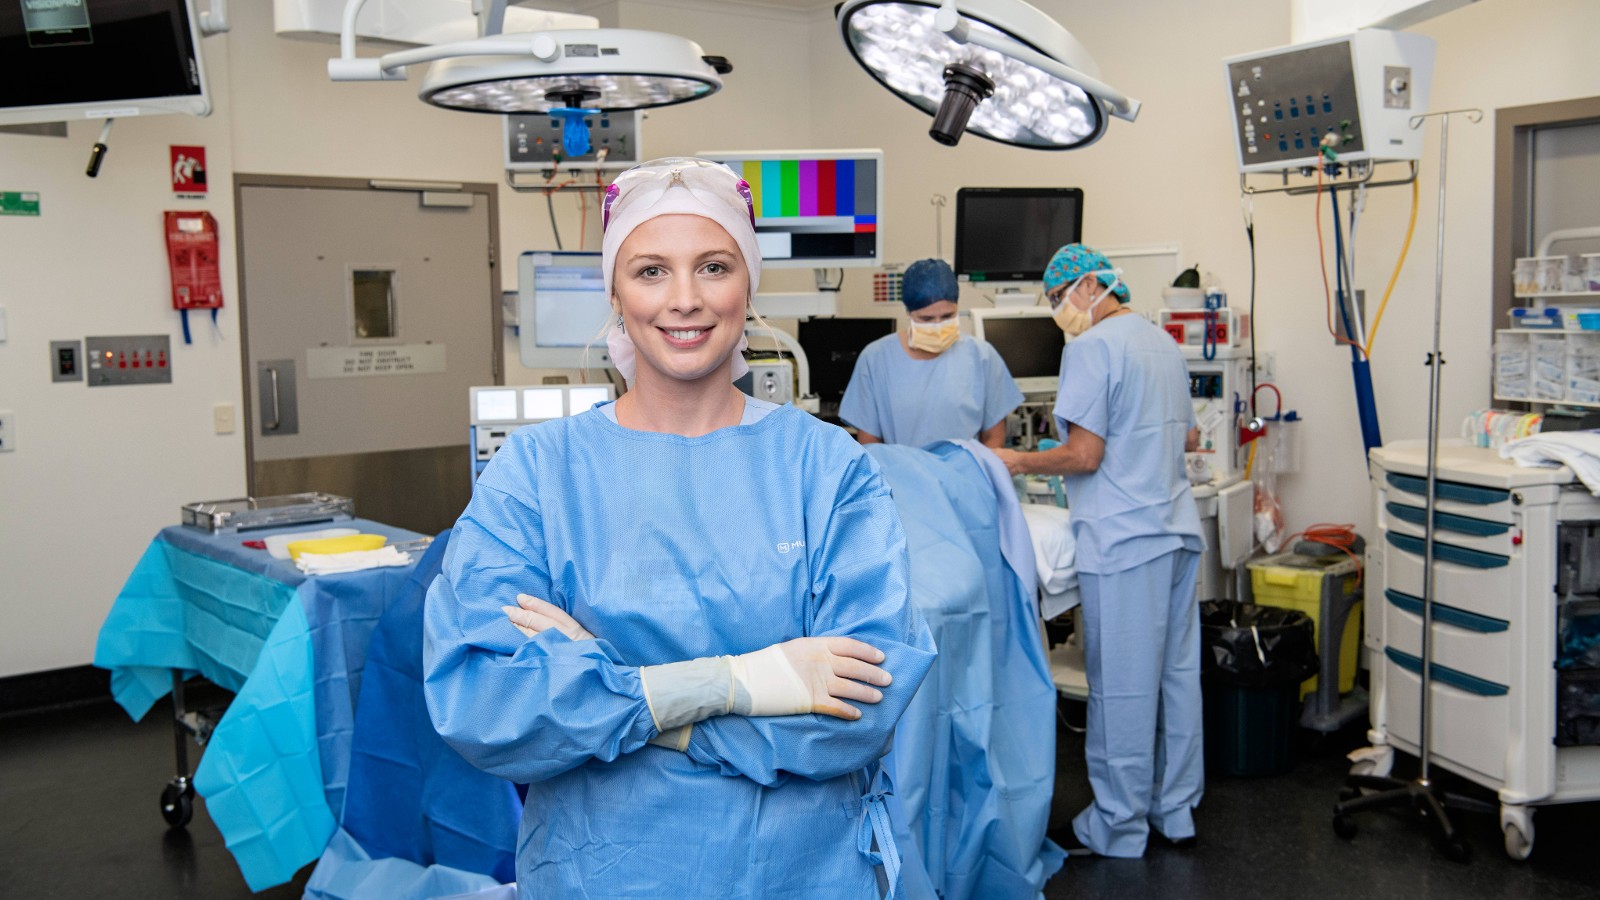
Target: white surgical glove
(805, 675)
(532, 615)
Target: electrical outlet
(222, 416)
(1266, 367)
(8, 430)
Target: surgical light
(1000, 69)
(605, 69)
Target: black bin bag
(1244, 645)
(1252, 661)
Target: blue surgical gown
(671, 548)
(915, 402)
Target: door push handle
(277, 412)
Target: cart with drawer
(1515, 695)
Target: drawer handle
(1447, 521)
(1449, 615)
(1472, 684)
(1449, 490)
(1476, 559)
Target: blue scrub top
(951, 397)
(1125, 380)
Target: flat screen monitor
(1009, 234)
(66, 60)
(1029, 342)
(831, 347)
(561, 307)
(815, 209)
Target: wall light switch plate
(8, 430)
(222, 416)
(66, 361)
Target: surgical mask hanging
(934, 337)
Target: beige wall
(98, 471)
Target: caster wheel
(1344, 827)
(177, 805)
(1519, 846)
(1458, 850)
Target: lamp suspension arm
(347, 66)
(214, 20)
(950, 21)
(491, 16)
(391, 66)
(524, 44)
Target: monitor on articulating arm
(1006, 236)
(99, 59)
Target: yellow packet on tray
(345, 544)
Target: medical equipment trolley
(1517, 569)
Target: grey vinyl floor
(79, 790)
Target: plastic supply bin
(1324, 588)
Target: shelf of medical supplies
(1560, 295)
(1550, 331)
(1546, 402)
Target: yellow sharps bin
(1324, 588)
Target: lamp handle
(949, 20)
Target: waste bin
(1252, 660)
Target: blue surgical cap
(1077, 260)
(927, 281)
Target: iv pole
(1422, 795)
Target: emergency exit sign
(19, 203)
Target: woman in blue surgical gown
(930, 382)
(1123, 402)
(683, 619)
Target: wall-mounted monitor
(1029, 342)
(1009, 234)
(561, 308)
(67, 60)
(815, 209)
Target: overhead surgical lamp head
(1000, 69)
(604, 69)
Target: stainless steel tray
(256, 513)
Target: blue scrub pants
(1141, 647)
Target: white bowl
(1183, 298)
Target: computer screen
(1009, 234)
(562, 306)
(97, 59)
(1028, 341)
(815, 209)
(831, 347)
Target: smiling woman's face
(681, 288)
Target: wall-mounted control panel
(1357, 93)
(128, 359)
(534, 139)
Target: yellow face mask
(934, 337)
